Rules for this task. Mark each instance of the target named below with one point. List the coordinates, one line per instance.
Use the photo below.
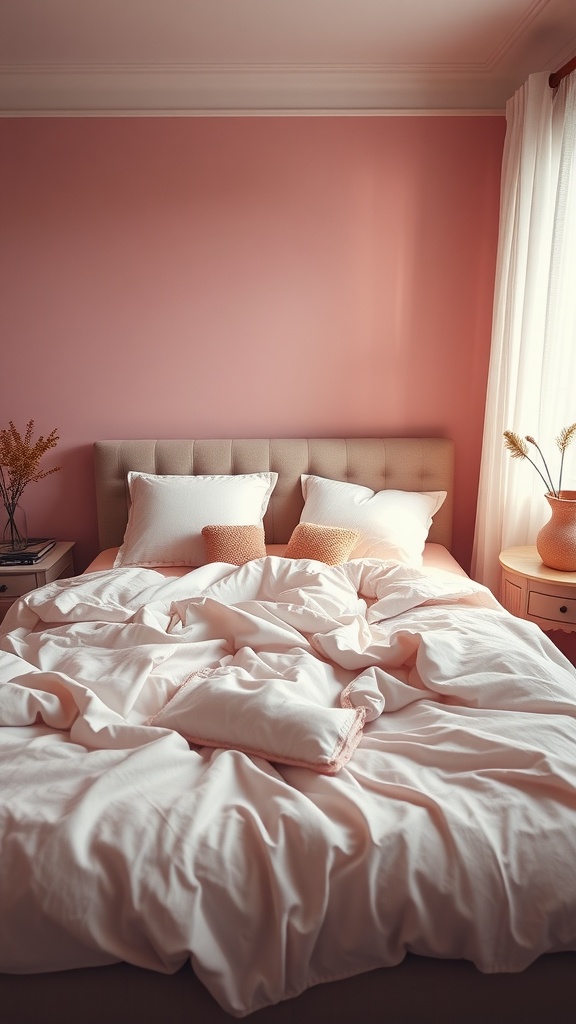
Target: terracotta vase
(556, 541)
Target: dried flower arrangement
(19, 465)
(518, 449)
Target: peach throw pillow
(329, 544)
(234, 544)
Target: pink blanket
(285, 772)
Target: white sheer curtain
(532, 375)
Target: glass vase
(15, 530)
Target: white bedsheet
(445, 824)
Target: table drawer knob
(563, 609)
(3, 587)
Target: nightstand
(16, 580)
(533, 591)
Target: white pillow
(392, 525)
(167, 514)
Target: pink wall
(207, 277)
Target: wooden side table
(16, 580)
(532, 591)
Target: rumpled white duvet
(286, 772)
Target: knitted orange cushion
(329, 544)
(234, 544)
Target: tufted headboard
(408, 464)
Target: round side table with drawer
(16, 580)
(532, 591)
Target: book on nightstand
(35, 549)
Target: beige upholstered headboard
(407, 464)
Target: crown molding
(161, 90)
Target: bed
(326, 777)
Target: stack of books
(35, 549)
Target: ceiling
(114, 57)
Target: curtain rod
(557, 76)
